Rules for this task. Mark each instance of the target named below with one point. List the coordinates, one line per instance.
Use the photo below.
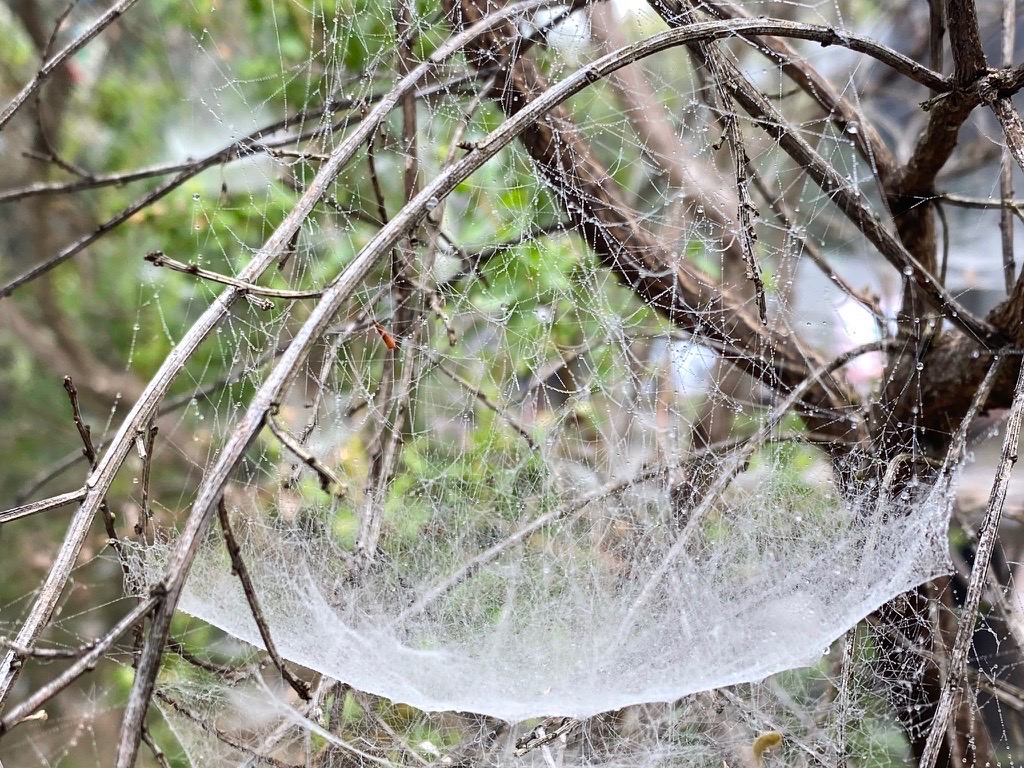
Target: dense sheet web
(575, 622)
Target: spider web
(498, 487)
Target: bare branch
(840, 109)
(85, 663)
(35, 507)
(964, 42)
(143, 411)
(158, 259)
(1010, 120)
(987, 540)
(239, 569)
(111, 15)
(850, 202)
(220, 735)
(329, 482)
(85, 432)
(480, 395)
(322, 315)
(1009, 21)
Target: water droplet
(432, 203)
(920, 366)
(852, 128)
(908, 270)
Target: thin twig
(158, 753)
(386, 456)
(210, 727)
(988, 534)
(53, 158)
(480, 395)
(51, 65)
(846, 198)
(786, 216)
(746, 210)
(1010, 120)
(168, 406)
(49, 474)
(944, 266)
(158, 259)
(368, 706)
(843, 111)
(240, 149)
(955, 452)
(472, 259)
(35, 507)
(986, 203)
(438, 309)
(394, 395)
(378, 193)
(85, 432)
(146, 405)
(1006, 215)
(225, 671)
(85, 663)
(251, 144)
(239, 569)
(49, 654)
(330, 357)
(1006, 693)
(1005, 167)
(540, 735)
(146, 514)
(843, 705)
(997, 593)
(329, 482)
(759, 721)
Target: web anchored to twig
(573, 384)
